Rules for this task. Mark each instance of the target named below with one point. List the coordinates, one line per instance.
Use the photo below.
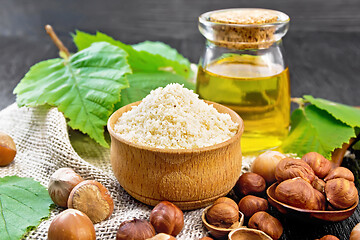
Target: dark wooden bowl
(306, 215)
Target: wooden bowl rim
(218, 106)
(306, 210)
(245, 229)
(224, 230)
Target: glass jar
(243, 67)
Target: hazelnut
(206, 238)
(266, 223)
(250, 184)
(222, 214)
(265, 165)
(136, 229)
(167, 218)
(318, 163)
(340, 172)
(355, 233)
(7, 149)
(341, 193)
(291, 168)
(71, 224)
(252, 204)
(227, 201)
(62, 181)
(162, 236)
(93, 199)
(329, 237)
(298, 193)
(319, 185)
(319, 201)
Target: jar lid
(244, 28)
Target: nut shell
(250, 184)
(136, 229)
(266, 223)
(298, 193)
(62, 181)
(318, 163)
(341, 193)
(167, 218)
(249, 205)
(222, 215)
(71, 224)
(93, 199)
(340, 172)
(291, 168)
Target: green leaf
(23, 204)
(143, 59)
(315, 130)
(142, 83)
(85, 87)
(347, 114)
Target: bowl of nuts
(310, 189)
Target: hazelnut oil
(258, 92)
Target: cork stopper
(244, 28)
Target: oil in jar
(258, 91)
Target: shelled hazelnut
(222, 214)
(318, 163)
(289, 168)
(340, 172)
(266, 223)
(252, 204)
(341, 193)
(167, 218)
(250, 184)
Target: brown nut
(355, 233)
(298, 193)
(227, 201)
(291, 168)
(249, 205)
(136, 229)
(266, 223)
(250, 184)
(62, 181)
(167, 218)
(341, 193)
(328, 237)
(319, 185)
(222, 215)
(206, 238)
(71, 224)
(318, 163)
(93, 199)
(265, 165)
(340, 172)
(319, 201)
(7, 149)
(162, 236)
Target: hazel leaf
(23, 204)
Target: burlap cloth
(44, 144)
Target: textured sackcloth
(43, 145)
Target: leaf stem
(57, 41)
(299, 101)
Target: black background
(322, 47)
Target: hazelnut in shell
(250, 184)
(227, 201)
(355, 233)
(62, 181)
(71, 224)
(341, 193)
(265, 165)
(249, 205)
(340, 172)
(7, 149)
(93, 199)
(266, 223)
(328, 237)
(318, 163)
(291, 168)
(136, 229)
(167, 218)
(206, 238)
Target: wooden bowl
(218, 232)
(308, 215)
(189, 178)
(248, 234)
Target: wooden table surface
(322, 48)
